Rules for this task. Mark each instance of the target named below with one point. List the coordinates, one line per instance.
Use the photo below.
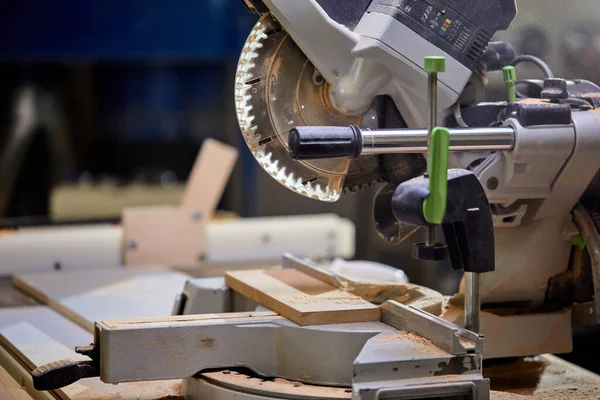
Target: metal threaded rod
(432, 109)
(432, 104)
(472, 301)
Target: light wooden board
(95, 295)
(163, 235)
(10, 389)
(209, 176)
(301, 298)
(37, 335)
(69, 202)
(176, 235)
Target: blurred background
(104, 104)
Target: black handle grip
(316, 142)
(58, 374)
(468, 224)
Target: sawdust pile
(584, 393)
(408, 294)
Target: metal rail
(387, 141)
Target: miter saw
(349, 81)
(339, 95)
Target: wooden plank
(70, 202)
(11, 297)
(209, 176)
(10, 389)
(172, 236)
(37, 335)
(94, 295)
(22, 375)
(301, 298)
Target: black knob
(315, 142)
(555, 89)
(497, 56)
(437, 252)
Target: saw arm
(316, 63)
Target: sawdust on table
(465, 343)
(584, 393)
(537, 378)
(408, 294)
(279, 385)
(338, 298)
(495, 395)
(157, 390)
(428, 345)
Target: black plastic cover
(468, 225)
(344, 12)
(536, 114)
(316, 142)
(436, 252)
(462, 29)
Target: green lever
(510, 77)
(434, 206)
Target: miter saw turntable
(337, 96)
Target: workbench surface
(539, 378)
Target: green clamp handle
(510, 77)
(434, 206)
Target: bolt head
(492, 183)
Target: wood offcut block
(175, 235)
(166, 235)
(301, 298)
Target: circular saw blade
(275, 91)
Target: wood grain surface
(301, 298)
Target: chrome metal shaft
(387, 141)
(472, 301)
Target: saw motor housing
(366, 48)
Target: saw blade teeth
(243, 97)
(281, 174)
